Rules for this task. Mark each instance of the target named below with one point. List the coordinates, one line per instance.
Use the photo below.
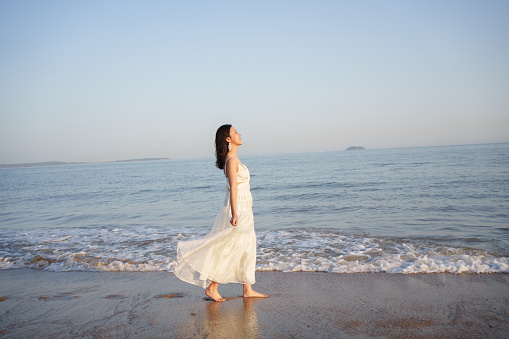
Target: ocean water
(409, 210)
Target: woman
(228, 253)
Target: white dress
(228, 253)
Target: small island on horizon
(355, 148)
(61, 163)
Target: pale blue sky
(108, 80)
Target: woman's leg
(249, 293)
(212, 292)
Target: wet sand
(36, 303)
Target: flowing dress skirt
(228, 253)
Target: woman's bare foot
(212, 292)
(254, 294)
(249, 293)
(214, 296)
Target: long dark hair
(222, 133)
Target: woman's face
(235, 137)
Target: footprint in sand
(169, 296)
(115, 296)
(66, 296)
(61, 296)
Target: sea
(398, 211)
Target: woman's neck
(233, 151)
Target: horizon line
(63, 163)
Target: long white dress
(228, 253)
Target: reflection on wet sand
(235, 317)
(231, 318)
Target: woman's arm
(232, 168)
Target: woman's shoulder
(234, 160)
(231, 163)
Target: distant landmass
(355, 148)
(60, 163)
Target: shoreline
(300, 304)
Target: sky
(112, 80)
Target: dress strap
(224, 167)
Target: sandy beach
(36, 303)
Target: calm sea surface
(429, 209)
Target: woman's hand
(234, 220)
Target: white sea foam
(287, 250)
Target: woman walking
(228, 253)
